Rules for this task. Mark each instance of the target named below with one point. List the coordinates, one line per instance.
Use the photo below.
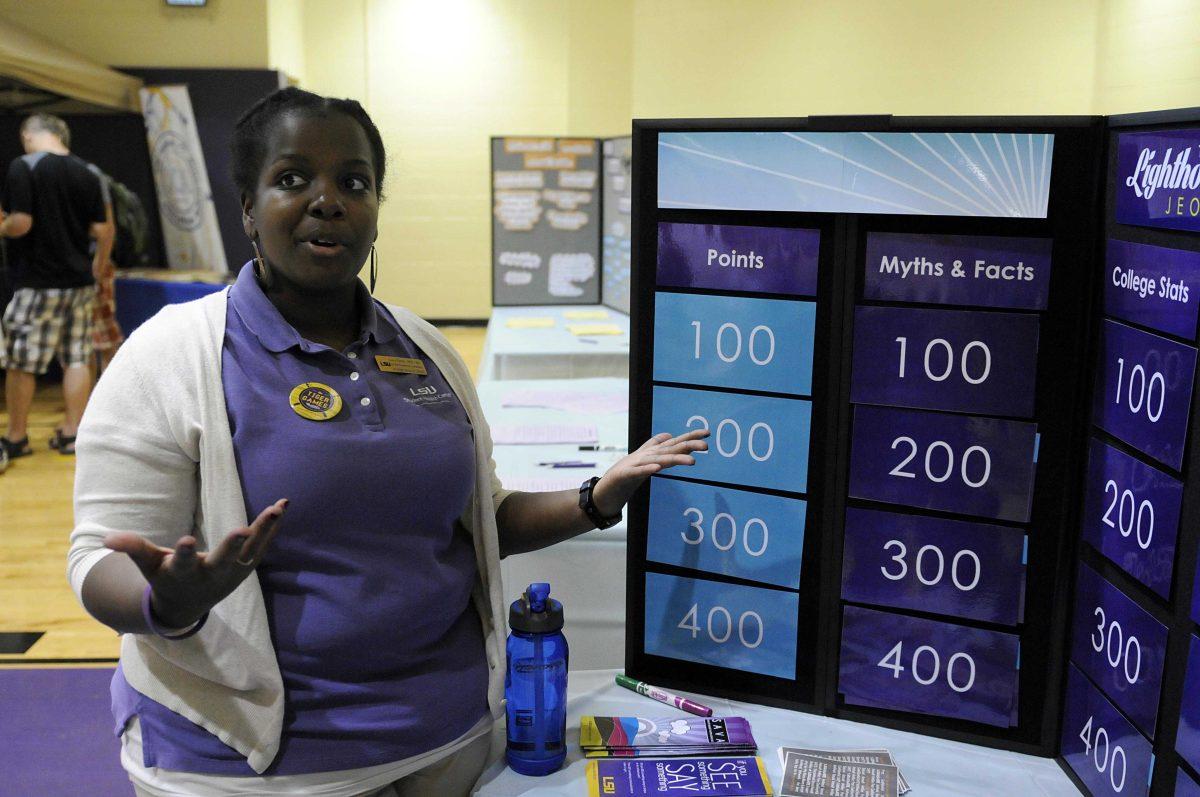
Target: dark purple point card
(1120, 647)
(735, 258)
(1185, 786)
(1131, 515)
(1104, 750)
(969, 270)
(1187, 740)
(1144, 391)
(1153, 286)
(1158, 179)
(952, 463)
(957, 360)
(951, 567)
(909, 664)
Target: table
(933, 767)
(586, 573)
(553, 352)
(140, 298)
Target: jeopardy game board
(947, 368)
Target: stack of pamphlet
(840, 773)
(675, 777)
(633, 737)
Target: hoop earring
(374, 269)
(261, 270)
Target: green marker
(663, 696)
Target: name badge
(401, 365)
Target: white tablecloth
(586, 573)
(553, 352)
(933, 767)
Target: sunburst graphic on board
(927, 173)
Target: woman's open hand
(186, 583)
(662, 451)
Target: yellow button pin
(315, 401)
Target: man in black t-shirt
(54, 207)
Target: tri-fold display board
(886, 325)
(560, 221)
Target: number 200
(760, 440)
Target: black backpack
(130, 248)
(132, 240)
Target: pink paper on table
(569, 401)
(543, 434)
(541, 484)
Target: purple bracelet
(148, 616)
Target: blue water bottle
(535, 684)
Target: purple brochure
(734, 258)
(970, 570)
(972, 270)
(1153, 286)
(952, 463)
(656, 732)
(1144, 391)
(1120, 647)
(1131, 515)
(957, 360)
(909, 664)
(1104, 750)
(1187, 740)
(1158, 179)
(675, 777)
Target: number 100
(729, 343)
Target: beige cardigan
(155, 456)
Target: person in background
(358, 647)
(54, 208)
(106, 332)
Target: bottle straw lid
(536, 612)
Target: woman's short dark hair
(250, 133)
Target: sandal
(62, 443)
(16, 448)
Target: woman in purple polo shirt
(356, 648)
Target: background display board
(545, 220)
(616, 271)
(1135, 673)
(878, 320)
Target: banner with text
(185, 205)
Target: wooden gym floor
(41, 623)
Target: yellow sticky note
(585, 315)
(530, 322)
(581, 330)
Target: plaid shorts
(42, 322)
(106, 332)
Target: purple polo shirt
(368, 583)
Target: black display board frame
(1175, 613)
(1072, 220)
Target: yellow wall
(1148, 56)
(225, 33)
(285, 38)
(787, 58)
(441, 78)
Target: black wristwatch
(589, 506)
